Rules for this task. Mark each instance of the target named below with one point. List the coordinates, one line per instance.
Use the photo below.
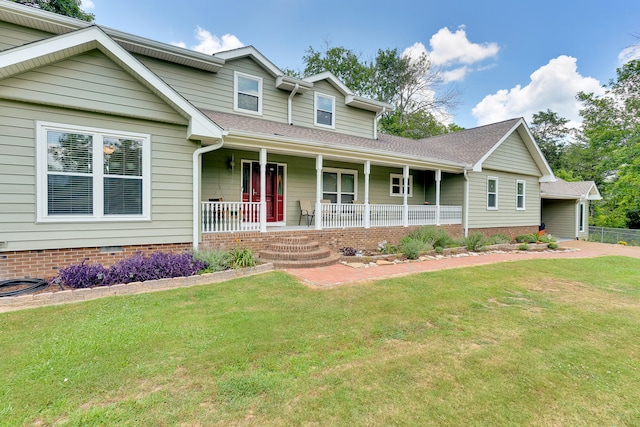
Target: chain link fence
(614, 235)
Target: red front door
(274, 191)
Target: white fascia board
(328, 75)
(367, 104)
(593, 193)
(80, 41)
(289, 83)
(242, 52)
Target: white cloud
(210, 44)
(449, 48)
(553, 86)
(455, 75)
(628, 54)
(87, 5)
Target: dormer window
(247, 93)
(325, 107)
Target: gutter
(196, 188)
(290, 102)
(375, 122)
(465, 219)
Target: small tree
(61, 7)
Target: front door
(274, 191)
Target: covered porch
(260, 191)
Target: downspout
(196, 188)
(290, 103)
(465, 219)
(375, 122)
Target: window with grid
(339, 186)
(397, 185)
(92, 174)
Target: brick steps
(298, 252)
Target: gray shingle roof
(567, 189)
(464, 148)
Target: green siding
(14, 35)
(559, 217)
(171, 172)
(507, 215)
(512, 156)
(214, 91)
(90, 82)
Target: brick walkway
(340, 274)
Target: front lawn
(543, 342)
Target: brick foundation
(335, 238)
(45, 263)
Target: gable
(512, 156)
(90, 82)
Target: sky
(506, 59)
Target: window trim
(400, 176)
(582, 216)
(492, 178)
(42, 214)
(339, 171)
(523, 195)
(236, 107)
(315, 110)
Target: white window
(520, 192)
(492, 193)
(397, 185)
(339, 185)
(247, 95)
(90, 174)
(325, 107)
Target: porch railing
(230, 216)
(245, 216)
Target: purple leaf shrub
(84, 276)
(136, 268)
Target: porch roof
(460, 149)
(562, 189)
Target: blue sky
(506, 58)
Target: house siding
(90, 82)
(506, 214)
(171, 175)
(559, 217)
(12, 35)
(512, 156)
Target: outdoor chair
(306, 210)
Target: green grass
(543, 342)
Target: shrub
(159, 265)
(439, 250)
(552, 245)
(83, 275)
(242, 258)
(496, 239)
(432, 236)
(523, 247)
(413, 248)
(527, 238)
(475, 241)
(215, 260)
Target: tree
(62, 7)
(552, 135)
(408, 83)
(611, 130)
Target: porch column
(405, 190)
(318, 210)
(438, 178)
(263, 190)
(367, 208)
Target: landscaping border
(84, 294)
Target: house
(565, 207)
(113, 144)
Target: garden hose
(26, 286)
